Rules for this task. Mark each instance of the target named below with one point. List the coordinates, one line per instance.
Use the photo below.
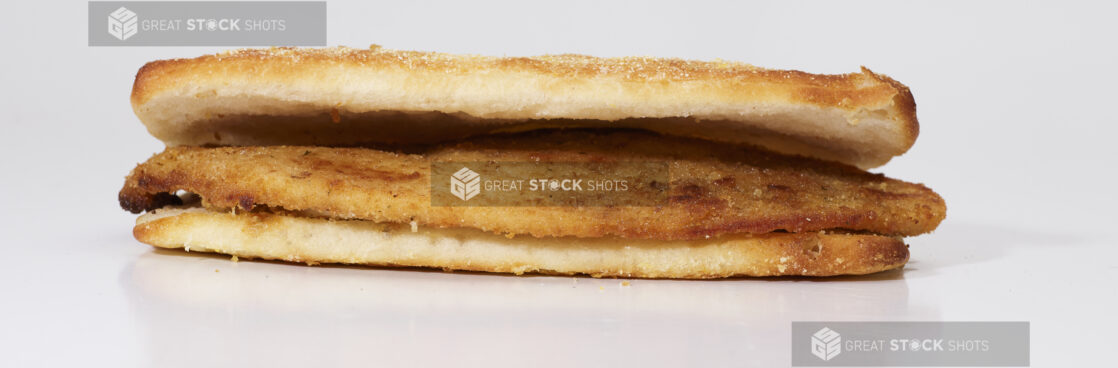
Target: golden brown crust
(842, 90)
(715, 190)
(859, 118)
(312, 241)
(905, 104)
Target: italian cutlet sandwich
(337, 156)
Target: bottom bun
(313, 240)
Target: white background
(1015, 100)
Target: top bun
(344, 97)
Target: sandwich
(572, 165)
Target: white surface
(1016, 104)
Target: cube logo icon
(826, 344)
(465, 184)
(122, 23)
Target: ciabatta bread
(344, 97)
(312, 241)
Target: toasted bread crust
(714, 191)
(312, 241)
(298, 96)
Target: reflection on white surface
(200, 310)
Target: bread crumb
(624, 283)
(217, 270)
(414, 227)
(235, 259)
